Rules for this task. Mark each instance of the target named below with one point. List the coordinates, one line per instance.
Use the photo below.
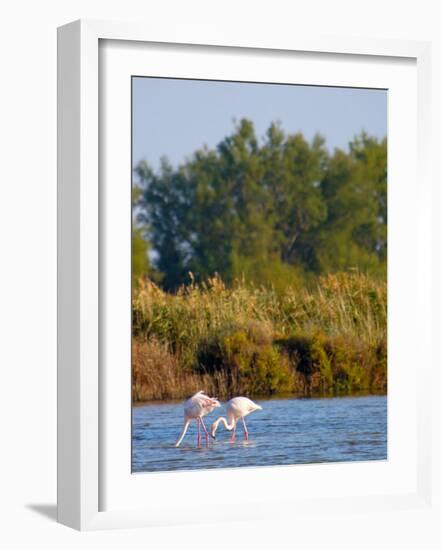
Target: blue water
(286, 431)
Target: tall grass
(324, 340)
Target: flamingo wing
(242, 406)
(200, 404)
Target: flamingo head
(213, 430)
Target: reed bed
(323, 340)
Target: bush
(156, 374)
(334, 365)
(257, 368)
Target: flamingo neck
(227, 426)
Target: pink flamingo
(194, 409)
(237, 408)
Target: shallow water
(286, 431)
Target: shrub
(256, 367)
(338, 364)
(156, 375)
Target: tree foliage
(140, 257)
(278, 211)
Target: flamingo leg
(205, 431)
(232, 437)
(183, 433)
(246, 433)
(199, 434)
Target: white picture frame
(82, 468)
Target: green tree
(354, 187)
(293, 171)
(164, 206)
(275, 212)
(140, 256)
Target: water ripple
(287, 431)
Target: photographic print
(259, 274)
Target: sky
(174, 118)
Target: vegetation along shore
(244, 339)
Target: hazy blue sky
(176, 117)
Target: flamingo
(237, 408)
(195, 408)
